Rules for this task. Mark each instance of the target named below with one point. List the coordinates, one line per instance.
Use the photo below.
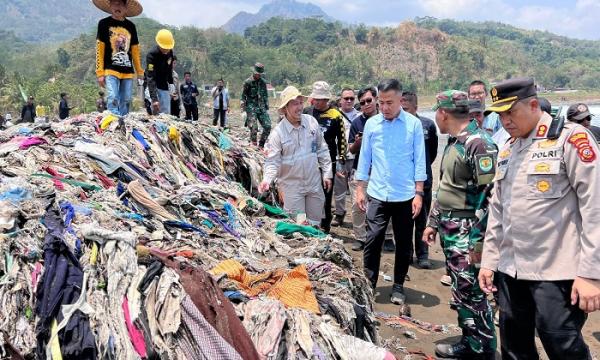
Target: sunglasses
(349, 98)
(366, 101)
(589, 118)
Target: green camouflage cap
(451, 99)
(259, 68)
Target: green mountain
(427, 55)
(48, 21)
(288, 9)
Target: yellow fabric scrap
(186, 171)
(107, 121)
(54, 343)
(94, 254)
(174, 133)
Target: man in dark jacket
(410, 105)
(331, 122)
(159, 72)
(63, 106)
(189, 93)
(28, 112)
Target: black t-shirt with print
(118, 37)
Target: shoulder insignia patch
(485, 168)
(587, 154)
(578, 139)
(581, 142)
(486, 163)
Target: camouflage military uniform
(256, 102)
(467, 171)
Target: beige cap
(288, 94)
(321, 90)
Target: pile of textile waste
(139, 238)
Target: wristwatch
(421, 193)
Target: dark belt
(458, 213)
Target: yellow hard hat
(164, 39)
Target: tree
(361, 34)
(63, 57)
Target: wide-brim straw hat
(321, 90)
(134, 8)
(288, 94)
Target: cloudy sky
(574, 18)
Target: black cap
(578, 112)
(508, 92)
(545, 105)
(475, 106)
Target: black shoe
(358, 245)
(453, 351)
(460, 350)
(398, 296)
(424, 264)
(338, 220)
(388, 246)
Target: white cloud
(197, 13)
(574, 18)
(447, 8)
(579, 21)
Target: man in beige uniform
(543, 234)
(296, 153)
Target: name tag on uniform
(546, 154)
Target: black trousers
(378, 217)
(421, 249)
(326, 222)
(191, 112)
(545, 306)
(218, 113)
(175, 110)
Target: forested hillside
(427, 55)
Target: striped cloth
(198, 339)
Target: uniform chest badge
(547, 144)
(504, 154)
(542, 168)
(543, 186)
